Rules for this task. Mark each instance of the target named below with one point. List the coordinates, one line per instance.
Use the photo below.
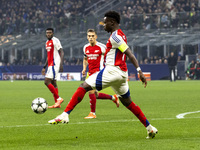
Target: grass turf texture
(114, 128)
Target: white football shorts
(52, 72)
(110, 76)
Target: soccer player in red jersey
(54, 61)
(93, 58)
(114, 75)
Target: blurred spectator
(169, 3)
(191, 70)
(198, 58)
(34, 61)
(172, 62)
(165, 61)
(160, 61)
(197, 70)
(145, 61)
(164, 21)
(73, 61)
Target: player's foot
(53, 106)
(151, 131)
(91, 116)
(116, 101)
(63, 118)
(57, 104)
(59, 101)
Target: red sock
(76, 98)
(55, 96)
(53, 90)
(104, 96)
(92, 102)
(138, 113)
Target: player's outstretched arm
(134, 61)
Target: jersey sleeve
(118, 42)
(84, 51)
(58, 44)
(103, 47)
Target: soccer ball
(39, 105)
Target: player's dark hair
(113, 14)
(91, 30)
(50, 29)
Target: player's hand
(83, 73)
(43, 71)
(61, 68)
(142, 78)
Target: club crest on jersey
(96, 51)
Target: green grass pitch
(113, 129)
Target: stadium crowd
(34, 61)
(78, 61)
(33, 16)
(153, 14)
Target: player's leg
(170, 73)
(135, 109)
(50, 86)
(104, 96)
(77, 97)
(50, 76)
(92, 97)
(59, 100)
(94, 81)
(123, 90)
(174, 73)
(53, 82)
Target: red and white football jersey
(114, 56)
(52, 47)
(95, 56)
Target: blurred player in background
(114, 74)
(54, 61)
(93, 58)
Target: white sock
(64, 114)
(149, 127)
(59, 99)
(93, 113)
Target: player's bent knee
(92, 92)
(126, 95)
(86, 86)
(47, 81)
(126, 101)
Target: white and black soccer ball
(39, 105)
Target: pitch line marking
(94, 122)
(181, 116)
